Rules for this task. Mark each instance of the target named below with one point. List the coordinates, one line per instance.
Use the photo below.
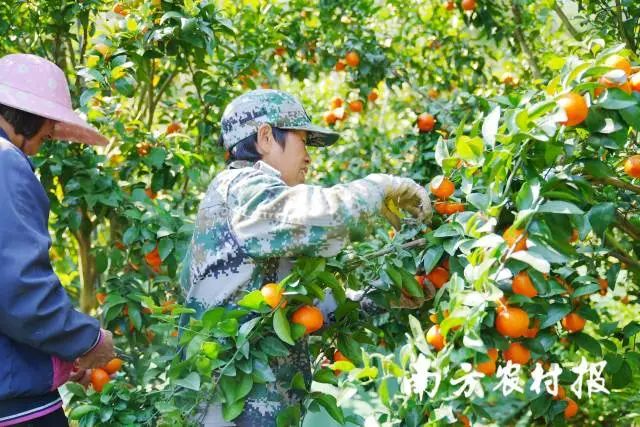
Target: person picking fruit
(42, 336)
(259, 213)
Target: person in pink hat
(44, 341)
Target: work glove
(402, 193)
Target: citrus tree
(521, 117)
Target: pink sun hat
(38, 86)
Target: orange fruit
(373, 95)
(426, 122)
(634, 82)
(279, 51)
(329, 117)
(575, 107)
(606, 84)
(632, 166)
(100, 296)
(438, 277)
(522, 285)
(99, 377)
(573, 322)
(168, 306)
(173, 128)
(618, 62)
(113, 366)
(433, 317)
(120, 245)
(571, 410)
(340, 65)
(450, 5)
(120, 10)
(153, 259)
(510, 236)
(102, 48)
(391, 233)
(435, 338)
(444, 190)
(272, 294)
(489, 367)
(308, 316)
(533, 332)
(433, 93)
(442, 208)
(561, 395)
(352, 58)
(464, 420)
(517, 353)
(356, 106)
(604, 285)
(143, 148)
(574, 236)
(336, 102)
(339, 357)
(151, 194)
(454, 207)
(468, 4)
(512, 322)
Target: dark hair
(24, 123)
(247, 150)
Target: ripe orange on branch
(618, 62)
(272, 294)
(356, 106)
(511, 235)
(632, 166)
(442, 189)
(489, 367)
(517, 353)
(571, 410)
(373, 95)
(113, 366)
(336, 102)
(438, 276)
(522, 285)
(426, 122)
(352, 59)
(435, 338)
(99, 377)
(512, 322)
(468, 5)
(573, 322)
(308, 316)
(153, 259)
(575, 108)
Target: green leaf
(616, 99)
(601, 216)
(631, 329)
(330, 404)
(588, 343)
(591, 288)
(75, 389)
(126, 86)
(554, 314)
(82, 410)
(262, 373)
(559, 207)
(231, 411)
(191, 381)
(253, 300)
(623, 376)
(383, 392)
(281, 326)
(289, 417)
(597, 168)
(432, 257)
(470, 149)
(631, 115)
(165, 247)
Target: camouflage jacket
(249, 227)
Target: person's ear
(265, 137)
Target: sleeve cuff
(98, 340)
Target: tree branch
(519, 35)
(565, 21)
(630, 43)
(615, 182)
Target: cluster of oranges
(101, 376)
(466, 5)
(308, 316)
(351, 59)
(338, 111)
(443, 188)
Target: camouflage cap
(246, 113)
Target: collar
(3, 135)
(260, 165)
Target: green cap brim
(318, 136)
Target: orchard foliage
(521, 117)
